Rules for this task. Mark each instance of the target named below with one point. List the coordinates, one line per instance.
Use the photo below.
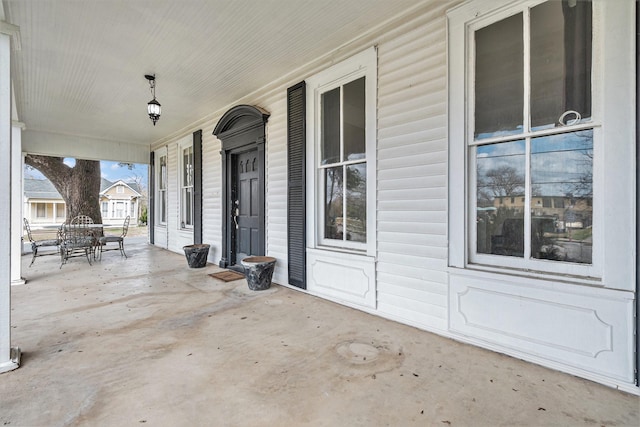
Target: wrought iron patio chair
(104, 240)
(53, 242)
(81, 220)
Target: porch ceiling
(80, 70)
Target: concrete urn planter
(196, 255)
(259, 270)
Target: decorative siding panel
(412, 174)
(583, 328)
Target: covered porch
(149, 341)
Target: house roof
(106, 185)
(44, 189)
(40, 189)
(78, 66)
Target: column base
(20, 281)
(13, 363)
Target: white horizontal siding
(211, 194)
(412, 174)
(173, 207)
(276, 185)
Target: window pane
(187, 167)
(500, 184)
(499, 84)
(333, 222)
(560, 61)
(330, 130)
(163, 207)
(187, 200)
(562, 194)
(163, 173)
(357, 203)
(354, 117)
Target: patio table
(78, 240)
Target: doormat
(227, 275)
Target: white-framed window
(186, 185)
(341, 153)
(161, 189)
(120, 210)
(60, 210)
(41, 210)
(120, 189)
(533, 125)
(105, 208)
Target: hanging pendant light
(153, 106)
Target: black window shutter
(197, 187)
(152, 197)
(296, 223)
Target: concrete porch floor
(148, 341)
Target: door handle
(236, 213)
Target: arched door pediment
(240, 119)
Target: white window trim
(159, 192)
(359, 65)
(614, 140)
(182, 145)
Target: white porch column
(9, 358)
(16, 203)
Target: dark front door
(242, 133)
(248, 206)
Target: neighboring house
(118, 200)
(43, 205)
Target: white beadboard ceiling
(80, 70)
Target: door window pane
(354, 116)
(499, 78)
(330, 132)
(560, 62)
(500, 182)
(333, 203)
(562, 176)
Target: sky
(109, 170)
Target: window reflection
(500, 181)
(561, 199)
(333, 223)
(357, 203)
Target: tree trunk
(79, 185)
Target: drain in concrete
(357, 352)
